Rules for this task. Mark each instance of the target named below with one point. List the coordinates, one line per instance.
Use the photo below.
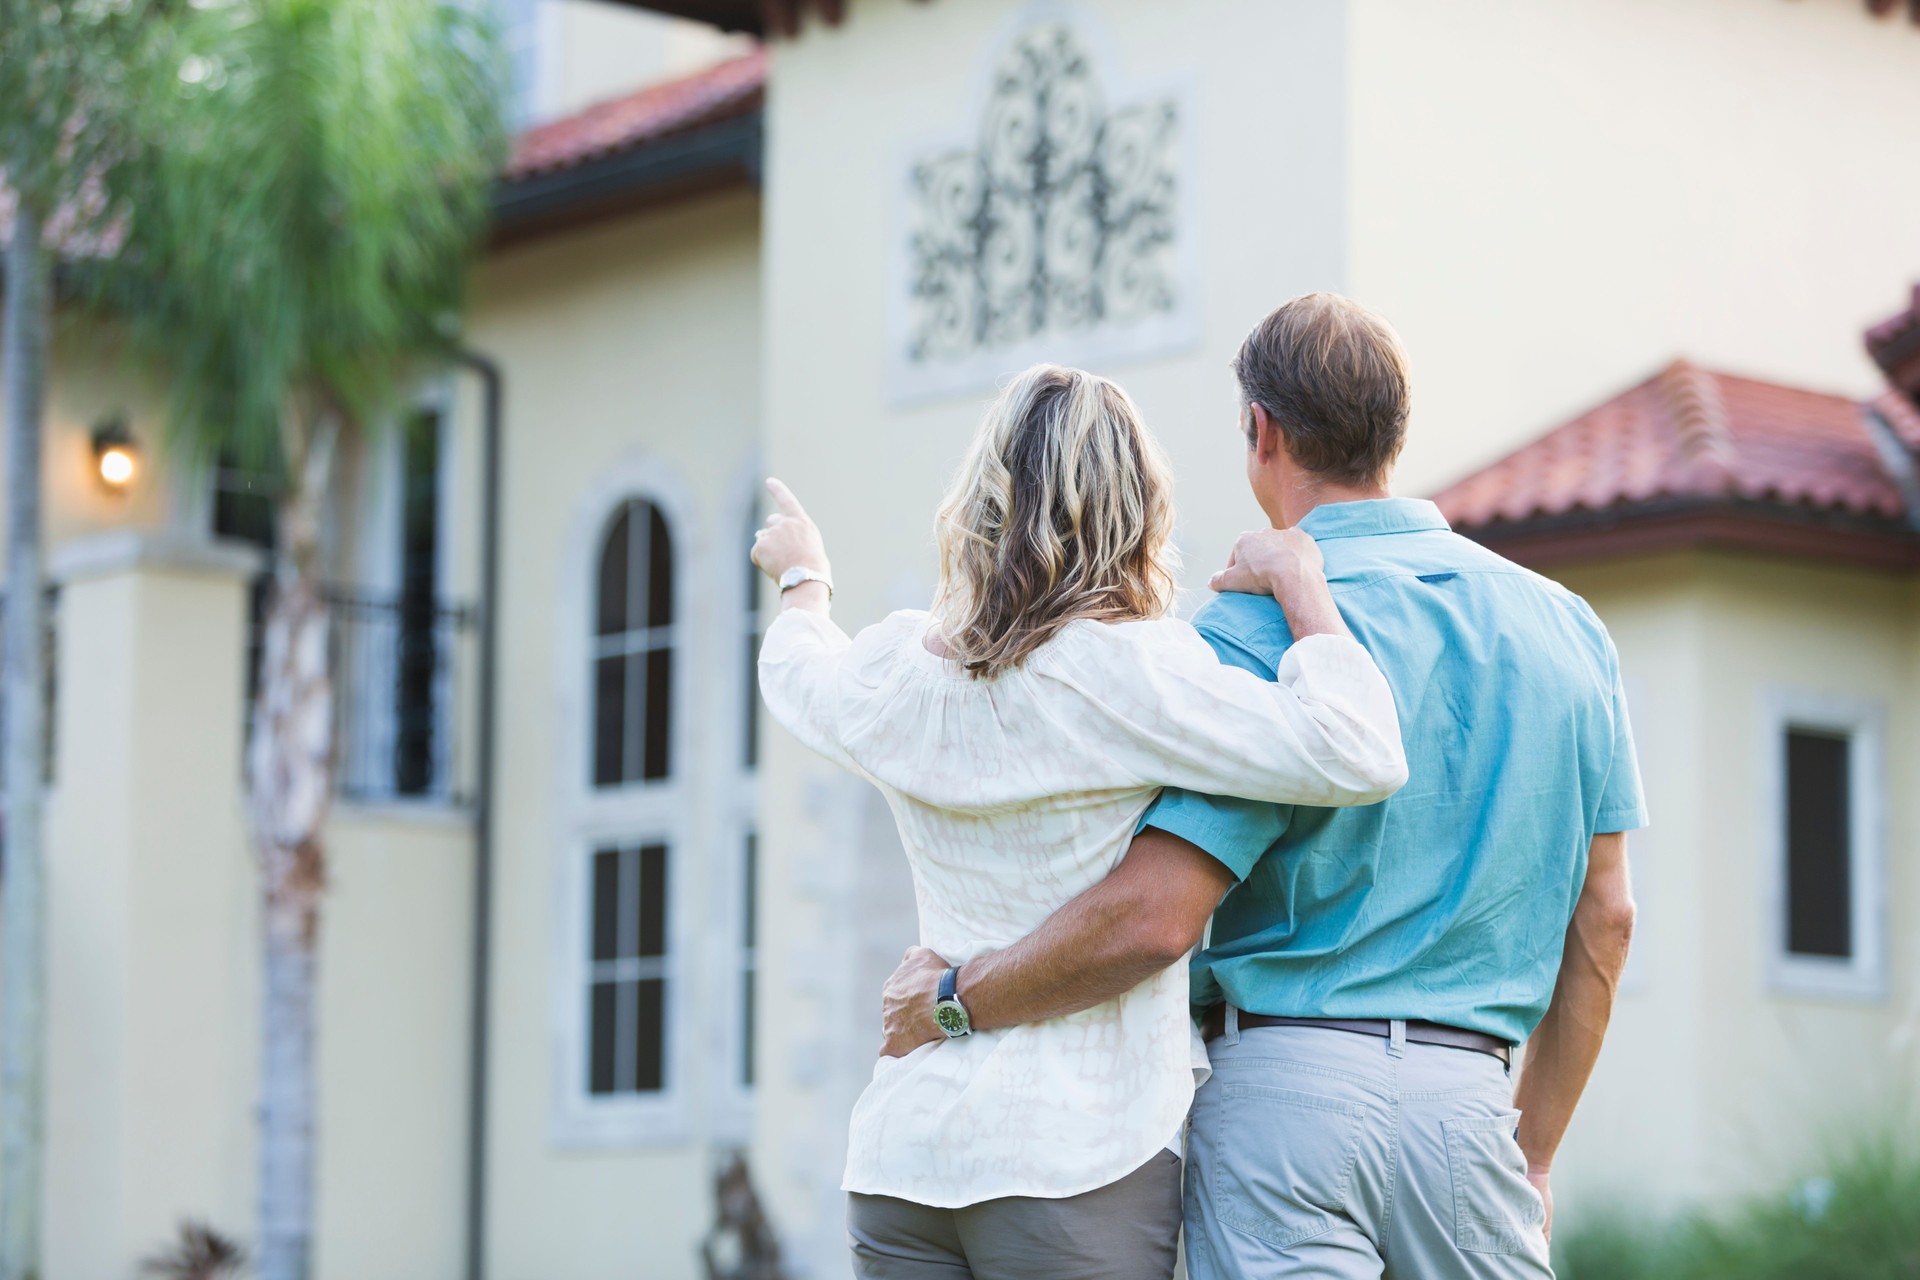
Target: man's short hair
(1333, 377)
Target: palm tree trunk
(290, 766)
(23, 686)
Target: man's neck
(1300, 498)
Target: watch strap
(949, 985)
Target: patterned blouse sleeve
(800, 665)
(1323, 731)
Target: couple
(1082, 782)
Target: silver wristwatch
(797, 575)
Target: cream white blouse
(1012, 796)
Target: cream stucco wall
(154, 952)
(1715, 1080)
(631, 357)
(1550, 201)
(590, 51)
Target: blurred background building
(1635, 248)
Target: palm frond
(310, 181)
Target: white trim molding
(738, 621)
(628, 815)
(1862, 976)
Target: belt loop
(1232, 1034)
(1397, 1038)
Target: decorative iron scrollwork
(1061, 219)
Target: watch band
(949, 985)
(800, 576)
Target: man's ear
(1266, 436)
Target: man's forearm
(1563, 1049)
(1144, 917)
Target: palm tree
(312, 182)
(63, 68)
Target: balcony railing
(403, 671)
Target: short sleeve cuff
(1626, 818)
(1235, 833)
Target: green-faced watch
(948, 1012)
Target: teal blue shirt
(1449, 901)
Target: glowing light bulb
(116, 466)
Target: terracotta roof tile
(721, 92)
(1689, 432)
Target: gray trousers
(1326, 1155)
(1126, 1230)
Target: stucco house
(595, 928)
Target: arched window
(633, 646)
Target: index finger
(784, 499)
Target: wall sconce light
(116, 458)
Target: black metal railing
(403, 667)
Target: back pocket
(1495, 1208)
(1285, 1160)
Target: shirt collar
(1373, 516)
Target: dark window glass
(632, 732)
(602, 1038)
(749, 969)
(606, 905)
(750, 731)
(1819, 844)
(659, 570)
(659, 703)
(417, 677)
(649, 1040)
(653, 900)
(609, 721)
(612, 608)
(242, 502)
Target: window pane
(653, 900)
(609, 721)
(649, 1035)
(601, 1038)
(749, 873)
(752, 735)
(606, 904)
(611, 610)
(749, 890)
(659, 569)
(659, 712)
(747, 985)
(416, 717)
(1819, 845)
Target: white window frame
(628, 815)
(733, 1101)
(1863, 975)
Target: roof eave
(1753, 528)
(698, 161)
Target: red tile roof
(1691, 434)
(733, 88)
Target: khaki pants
(1325, 1155)
(1125, 1230)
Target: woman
(1019, 731)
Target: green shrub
(1858, 1220)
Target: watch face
(951, 1017)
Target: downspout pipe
(488, 373)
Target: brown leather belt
(1214, 1024)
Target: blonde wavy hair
(1063, 509)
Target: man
(1370, 969)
